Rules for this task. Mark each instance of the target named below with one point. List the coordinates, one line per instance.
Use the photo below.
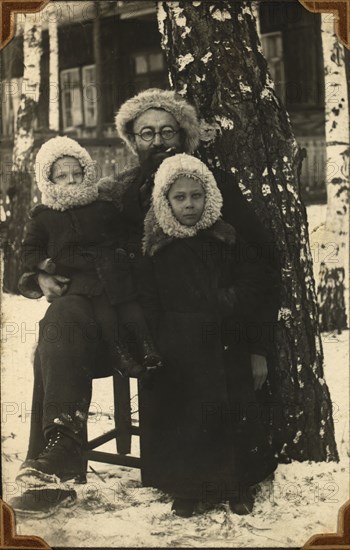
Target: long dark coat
(201, 436)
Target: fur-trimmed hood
(172, 168)
(156, 98)
(53, 195)
(155, 239)
(161, 226)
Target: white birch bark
(332, 240)
(53, 79)
(19, 190)
(24, 131)
(337, 134)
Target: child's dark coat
(201, 433)
(84, 244)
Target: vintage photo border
(326, 541)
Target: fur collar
(113, 189)
(59, 198)
(155, 239)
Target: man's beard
(151, 159)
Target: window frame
(86, 101)
(81, 113)
(280, 86)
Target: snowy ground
(113, 509)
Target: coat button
(132, 256)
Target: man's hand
(259, 369)
(52, 286)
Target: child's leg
(132, 320)
(113, 334)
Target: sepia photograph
(174, 202)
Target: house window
(148, 70)
(149, 62)
(273, 51)
(89, 95)
(141, 65)
(71, 99)
(79, 97)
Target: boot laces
(55, 442)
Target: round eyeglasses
(166, 133)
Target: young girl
(76, 237)
(201, 439)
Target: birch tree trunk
(215, 59)
(19, 191)
(334, 246)
(54, 119)
(98, 64)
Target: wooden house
(291, 41)
(108, 56)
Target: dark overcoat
(200, 430)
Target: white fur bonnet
(52, 195)
(170, 169)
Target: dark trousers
(73, 349)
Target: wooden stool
(122, 432)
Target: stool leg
(37, 441)
(122, 413)
(81, 478)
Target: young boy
(76, 236)
(200, 293)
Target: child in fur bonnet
(200, 293)
(75, 235)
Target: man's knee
(69, 308)
(68, 319)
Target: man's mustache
(162, 149)
(151, 162)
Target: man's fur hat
(52, 194)
(172, 168)
(155, 98)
